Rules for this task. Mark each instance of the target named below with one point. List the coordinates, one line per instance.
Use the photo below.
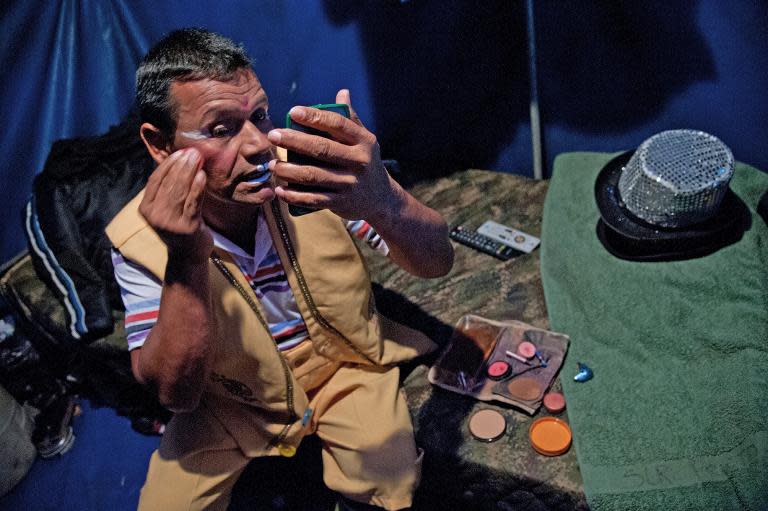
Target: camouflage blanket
(460, 472)
(99, 371)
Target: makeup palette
(510, 361)
(550, 436)
(524, 388)
(487, 425)
(526, 349)
(554, 402)
(498, 370)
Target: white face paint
(195, 135)
(225, 130)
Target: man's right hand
(175, 357)
(173, 205)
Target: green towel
(676, 416)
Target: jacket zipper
(303, 284)
(293, 416)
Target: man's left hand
(356, 186)
(352, 182)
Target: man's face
(227, 122)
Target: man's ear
(158, 144)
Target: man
(258, 328)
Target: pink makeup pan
(526, 349)
(498, 370)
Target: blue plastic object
(584, 374)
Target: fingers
(317, 199)
(174, 175)
(349, 141)
(312, 176)
(343, 98)
(157, 176)
(336, 125)
(321, 148)
(194, 201)
(172, 203)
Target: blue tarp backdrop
(443, 83)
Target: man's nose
(254, 139)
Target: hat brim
(628, 237)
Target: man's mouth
(260, 176)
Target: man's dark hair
(183, 55)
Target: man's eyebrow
(217, 110)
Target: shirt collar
(262, 243)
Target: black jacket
(84, 183)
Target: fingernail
(274, 136)
(298, 113)
(272, 164)
(193, 156)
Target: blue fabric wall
(443, 83)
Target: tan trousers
(369, 453)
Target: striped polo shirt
(141, 290)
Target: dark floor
(104, 470)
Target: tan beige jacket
(255, 393)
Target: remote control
(482, 243)
(509, 236)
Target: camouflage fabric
(99, 371)
(43, 312)
(460, 472)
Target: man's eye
(223, 130)
(259, 115)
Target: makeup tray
(478, 342)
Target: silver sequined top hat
(676, 178)
(670, 199)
